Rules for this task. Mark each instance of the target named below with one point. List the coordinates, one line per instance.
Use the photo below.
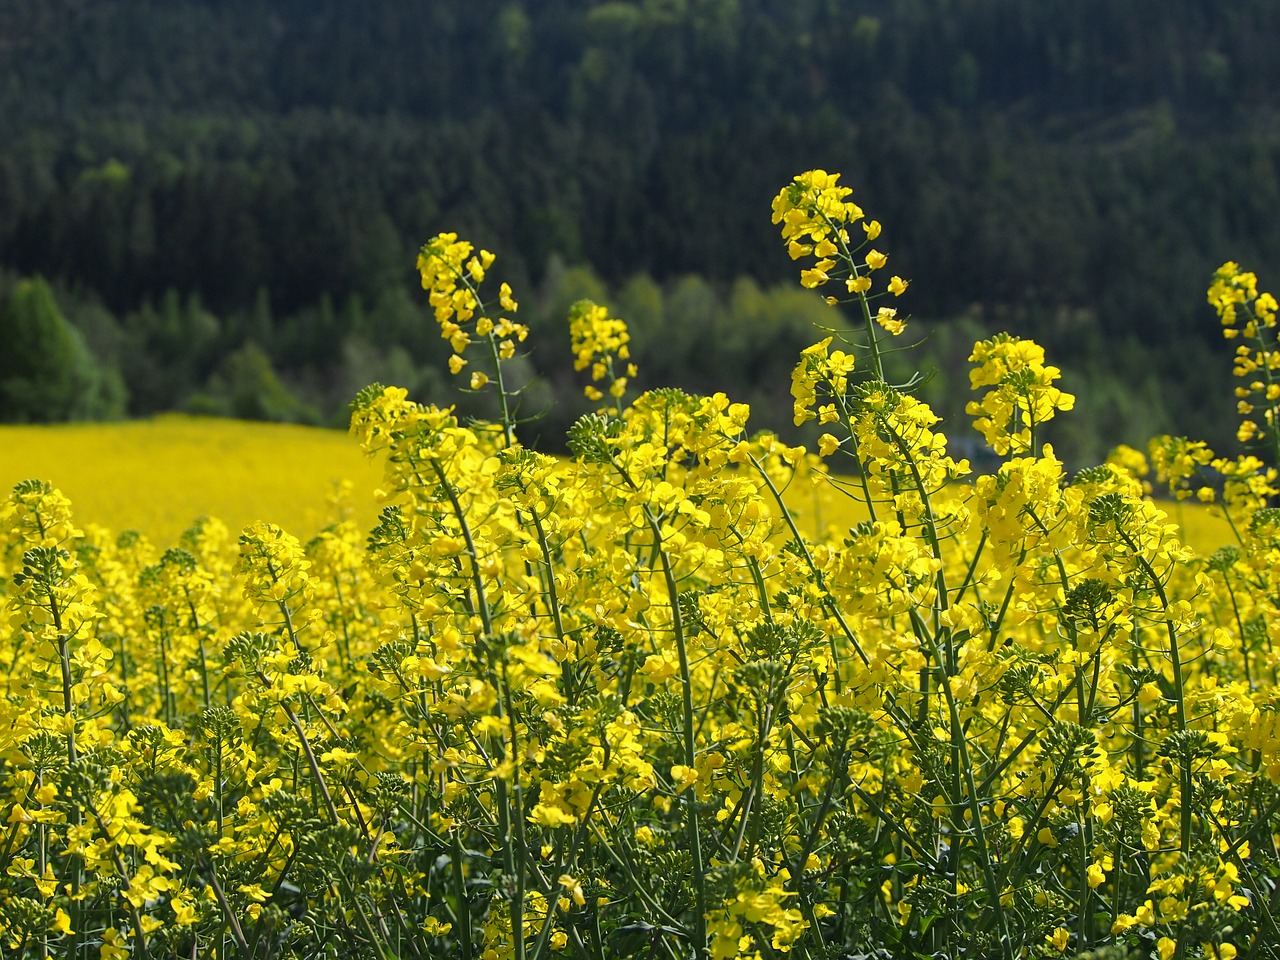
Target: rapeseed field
(663, 697)
(157, 476)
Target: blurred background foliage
(214, 205)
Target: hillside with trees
(214, 206)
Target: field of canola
(159, 476)
(633, 702)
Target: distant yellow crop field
(157, 476)
(1202, 527)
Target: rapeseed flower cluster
(599, 342)
(1249, 315)
(622, 705)
(1019, 392)
(452, 273)
(815, 219)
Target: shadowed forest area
(215, 206)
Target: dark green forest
(214, 205)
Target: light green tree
(46, 372)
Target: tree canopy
(196, 176)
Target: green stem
(236, 932)
(508, 418)
(687, 738)
(553, 598)
(462, 911)
(1180, 704)
(204, 662)
(976, 811)
(517, 854)
(873, 341)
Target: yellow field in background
(157, 476)
(1203, 527)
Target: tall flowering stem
(816, 221)
(452, 272)
(601, 343)
(1249, 316)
